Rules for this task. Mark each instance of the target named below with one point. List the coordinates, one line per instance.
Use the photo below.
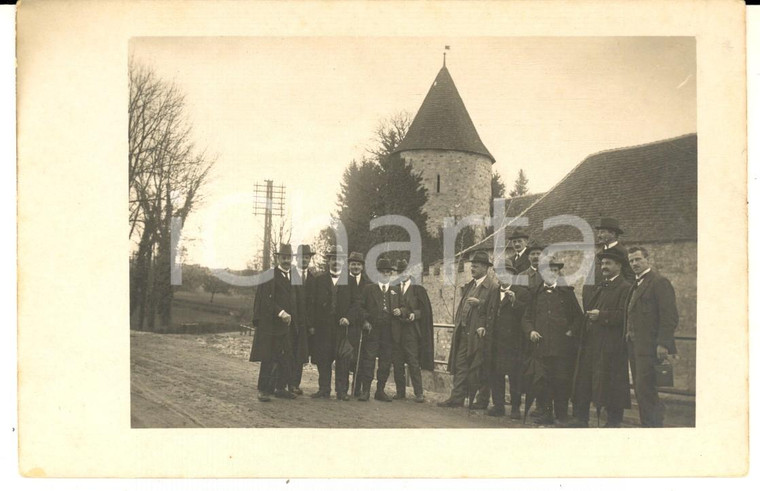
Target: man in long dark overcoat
(333, 314)
(467, 345)
(301, 330)
(506, 341)
(357, 281)
(274, 310)
(651, 319)
(602, 371)
(552, 322)
(412, 334)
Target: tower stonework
(443, 145)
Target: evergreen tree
(497, 189)
(521, 185)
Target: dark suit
(651, 317)
(554, 314)
(271, 335)
(507, 343)
(412, 340)
(603, 368)
(533, 277)
(378, 342)
(330, 304)
(358, 291)
(466, 357)
(299, 329)
(522, 261)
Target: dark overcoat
(357, 291)
(530, 276)
(651, 315)
(325, 337)
(271, 298)
(554, 324)
(472, 317)
(300, 328)
(604, 357)
(522, 262)
(415, 300)
(505, 338)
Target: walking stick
(358, 356)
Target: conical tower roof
(442, 123)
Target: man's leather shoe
(544, 420)
(364, 396)
(343, 397)
(320, 393)
(284, 394)
(399, 395)
(496, 411)
(297, 391)
(577, 423)
(515, 413)
(380, 395)
(263, 397)
(450, 403)
(479, 405)
(419, 398)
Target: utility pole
(268, 200)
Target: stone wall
(465, 184)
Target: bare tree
(389, 133)
(166, 173)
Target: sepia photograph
(315, 239)
(250, 156)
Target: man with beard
(651, 318)
(602, 371)
(505, 341)
(378, 303)
(412, 334)
(274, 310)
(520, 259)
(334, 315)
(357, 281)
(552, 323)
(467, 345)
(301, 329)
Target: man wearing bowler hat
(303, 281)
(378, 304)
(506, 341)
(275, 309)
(466, 356)
(519, 239)
(552, 323)
(357, 281)
(602, 372)
(412, 334)
(334, 308)
(531, 273)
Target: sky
(298, 110)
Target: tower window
(438, 183)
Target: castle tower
(443, 145)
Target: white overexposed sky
(298, 109)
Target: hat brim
(557, 265)
(607, 255)
(614, 229)
(519, 236)
(479, 261)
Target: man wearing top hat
(303, 281)
(602, 372)
(412, 334)
(520, 260)
(651, 317)
(552, 322)
(506, 342)
(275, 309)
(531, 273)
(334, 312)
(466, 356)
(378, 304)
(357, 281)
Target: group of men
(355, 325)
(538, 337)
(554, 349)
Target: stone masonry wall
(465, 184)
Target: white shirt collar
(286, 273)
(614, 278)
(611, 245)
(639, 276)
(480, 280)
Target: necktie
(334, 275)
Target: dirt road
(184, 380)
